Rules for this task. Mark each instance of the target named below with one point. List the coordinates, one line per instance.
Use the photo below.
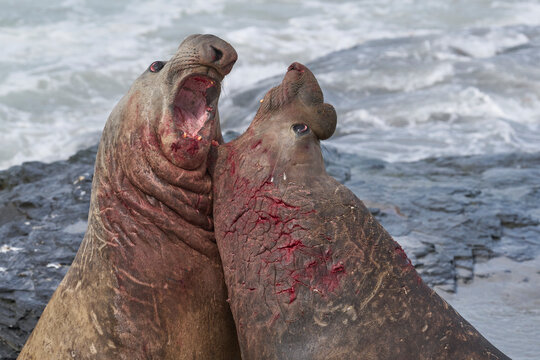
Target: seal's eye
(156, 66)
(300, 129)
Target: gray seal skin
(147, 281)
(310, 273)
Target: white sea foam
(6, 248)
(391, 79)
(488, 44)
(65, 63)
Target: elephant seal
(147, 281)
(310, 273)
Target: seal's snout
(300, 91)
(219, 54)
(300, 82)
(212, 51)
(296, 67)
(304, 85)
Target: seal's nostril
(218, 54)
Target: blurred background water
(429, 78)
(410, 79)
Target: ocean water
(410, 79)
(429, 78)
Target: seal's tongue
(194, 103)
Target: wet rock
(43, 213)
(334, 165)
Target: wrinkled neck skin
(152, 161)
(153, 179)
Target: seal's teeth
(184, 135)
(215, 143)
(199, 138)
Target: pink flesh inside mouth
(194, 104)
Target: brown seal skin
(310, 273)
(147, 281)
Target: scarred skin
(310, 273)
(147, 281)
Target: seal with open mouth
(147, 281)
(310, 273)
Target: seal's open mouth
(194, 104)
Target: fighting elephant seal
(310, 273)
(147, 282)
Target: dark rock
(43, 212)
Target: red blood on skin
(291, 248)
(207, 83)
(174, 147)
(314, 276)
(282, 224)
(291, 292)
(338, 268)
(192, 147)
(406, 265)
(332, 280)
